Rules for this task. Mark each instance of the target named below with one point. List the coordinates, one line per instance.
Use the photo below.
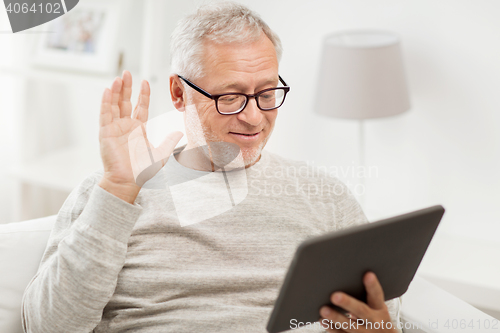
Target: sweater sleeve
(79, 269)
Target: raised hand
(125, 150)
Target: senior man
(119, 259)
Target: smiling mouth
(245, 134)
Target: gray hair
(222, 22)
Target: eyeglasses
(232, 103)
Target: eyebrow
(237, 85)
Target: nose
(251, 115)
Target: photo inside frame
(78, 33)
(81, 40)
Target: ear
(177, 93)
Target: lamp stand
(362, 166)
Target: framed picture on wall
(84, 39)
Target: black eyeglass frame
(286, 89)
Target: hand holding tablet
(339, 262)
(361, 316)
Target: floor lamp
(362, 77)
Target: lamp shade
(362, 76)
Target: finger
(374, 291)
(166, 147)
(124, 102)
(351, 316)
(142, 108)
(350, 304)
(329, 326)
(116, 88)
(339, 322)
(105, 116)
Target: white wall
(444, 150)
(8, 119)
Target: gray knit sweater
(196, 252)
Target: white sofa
(21, 248)
(425, 307)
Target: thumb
(166, 147)
(160, 156)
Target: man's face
(245, 68)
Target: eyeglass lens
(267, 100)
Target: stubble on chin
(199, 135)
(252, 155)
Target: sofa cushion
(21, 248)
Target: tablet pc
(391, 248)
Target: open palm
(125, 150)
